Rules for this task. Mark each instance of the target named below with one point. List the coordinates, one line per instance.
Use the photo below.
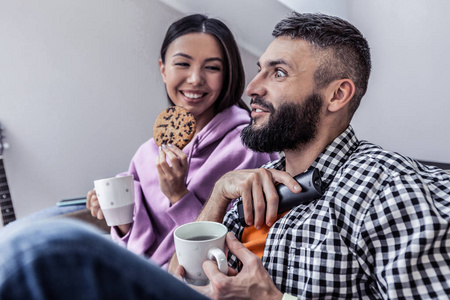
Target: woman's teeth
(193, 95)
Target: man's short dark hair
(340, 48)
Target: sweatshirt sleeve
(140, 213)
(186, 209)
(154, 218)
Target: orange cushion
(255, 240)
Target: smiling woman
(202, 70)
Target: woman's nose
(195, 78)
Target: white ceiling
(251, 21)
(333, 7)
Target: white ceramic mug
(116, 198)
(196, 242)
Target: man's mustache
(263, 103)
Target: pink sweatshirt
(215, 150)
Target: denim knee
(64, 259)
(24, 246)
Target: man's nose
(256, 87)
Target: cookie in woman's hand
(174, 125)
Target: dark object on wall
(444, 166)
(6, 205)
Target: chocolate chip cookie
(174, 125)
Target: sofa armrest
(85, 216)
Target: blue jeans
(64, 259)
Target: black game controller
(312, 188)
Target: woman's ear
(341, 92)
(162, 69)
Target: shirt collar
(335, 155)
(331, 159)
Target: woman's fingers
(177, 158)
(172, 168)
(93, 205)
(89, 198)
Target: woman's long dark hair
(234, 76)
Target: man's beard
(290, 127)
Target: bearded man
(380, 230)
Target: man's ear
(340, 93)
(162, 69)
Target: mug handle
(219, 256)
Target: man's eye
(280, 73)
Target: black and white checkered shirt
(380, 231)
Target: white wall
(80, 87)
(407, 105)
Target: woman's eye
(213, 68)
(182, 64)
(280, 73)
